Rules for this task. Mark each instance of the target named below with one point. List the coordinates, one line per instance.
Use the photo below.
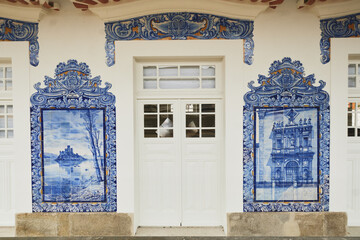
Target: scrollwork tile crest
(341, 27)
(179, 26)
(13, 30)
(73, 88)
(285, 86)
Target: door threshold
(180, 231)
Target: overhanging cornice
(144, 7)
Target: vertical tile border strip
(340, 27)
(286, 86)
(73, 88)
(13, 30)
(179, 26)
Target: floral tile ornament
(286, 142)
(179, 26)
(73, 146)
(340, 27)
(14, 30)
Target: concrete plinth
(73, 224)
(287, 224)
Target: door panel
(179, 176)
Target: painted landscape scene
(286, 157)
(73, 155)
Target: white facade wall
(72, 34)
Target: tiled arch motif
(286, 144)
(179, 26)
(340, 27)
(14, 30)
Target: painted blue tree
(286, 142)
(73, 142)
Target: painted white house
(180, 100)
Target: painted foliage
(179, 26)
(286, 141)
(73, 142)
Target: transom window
(5, 78)
(179, 77)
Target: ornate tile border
(341, 27)
(287, 88)
(13, 30)
(73, 90)
(179, 26)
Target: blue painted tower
(291, 156)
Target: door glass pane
(351, 119)
(10, 133)
(208, 83)
(351, 106)
(9, 109)
(2, 133)
(192, 121)
(166, 108)
(166, 121)
(150, 108)
(149, 71)
(208, 120)
(8, 85)
(2, 121)
(150, 84)
(166, 133)
(168, 70)
(10, 122)
(8, 72)
(205, 108)
(150, 133)
(352, 82)
(192, 133)
(208, 133)
(179, 83)
(208, 70)
(189, 71)
(150, 120)
(192, 108)
(351, 132)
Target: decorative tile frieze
(341, 27)
(179, 26)
(13, 30)
(73, 136)
(286, 142)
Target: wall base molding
(287, 224)
(74, 224)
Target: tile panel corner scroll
(286, 142)
(14, 30)
(340, 27)
(179, 26)
(73, 142)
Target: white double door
(179, 155)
